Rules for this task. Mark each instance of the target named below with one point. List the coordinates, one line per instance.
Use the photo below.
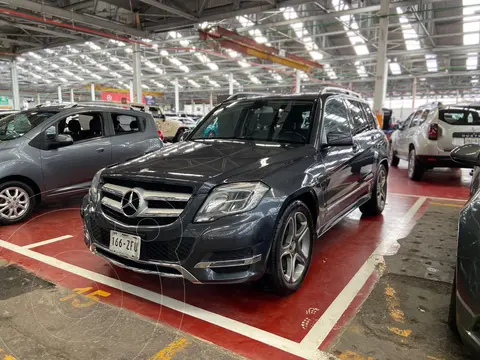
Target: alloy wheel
(382, 188)
(14, 203)
(295, 250)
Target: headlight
(231, 199)
(94, 187)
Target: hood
(210, 162)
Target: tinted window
(359, 121)
(276, 120)
(83, 126)
(335, 118)
(124, 124)
(460, 115)
(14, 126)
(371, 118)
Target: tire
(283, 281)
(16, 194)
(378, 199)
(452, 310)
(179, 135)
(415, 169)
(393, 160)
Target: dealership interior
(240, 179)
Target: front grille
(152, 204)
(171, 251)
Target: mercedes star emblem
(130, 203)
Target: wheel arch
(26, 180)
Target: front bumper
(230, 250)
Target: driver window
(83, 126)
(335, 118)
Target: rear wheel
(393, 160)
(377, 202)
(415, 169)
(17, 202)
(291, 253)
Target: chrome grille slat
(155, 203)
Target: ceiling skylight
(472, 61)
(395, 68)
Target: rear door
(340, 182)
(132, 135)
(400, 141)
(458, 125)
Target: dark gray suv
(279, 172)
(54, 151)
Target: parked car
(173, 127)
(464, 311)
(54, 151)
(430, 133)
(6, 113)
(250, 200)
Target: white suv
(427, 136)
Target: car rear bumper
(438, 161)
(214, 252)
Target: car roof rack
(246, 95)
(339, 90)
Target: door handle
(100, 150)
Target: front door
(70, 169)
(340, 181)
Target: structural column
(131, 91)
(92, 91)
(298, 85)
(211, 101)
(137, 74)
(72, 97)
(414, 92)
(60, 96)
(15, 87)
(382, 65)
(38, 99)
(177, 96)
(230, 84)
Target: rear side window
(460, 115)
(335, 118)
(359, 121)
(125, 124)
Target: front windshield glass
(16, 125)
(278, 120)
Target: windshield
(469, 115)
(16, 125)
(278, 120)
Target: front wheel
(17, 202)
(415, 169)
(291, 253)
(378, 199)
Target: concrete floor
(405, 315)
(40, 320)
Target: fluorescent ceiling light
(243, 64)
(34, 55)
(361, 49)
(395, 68)
(432, 65)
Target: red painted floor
(338, 255)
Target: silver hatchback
(51, 152)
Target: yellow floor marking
(434, 358)
(9, 357)
(171, 349)
(350, 355)
(444, 204)
(400, 332)
(393, 305)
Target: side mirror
(59, 140)
(339, 139)
(466, 154)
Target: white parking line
(330, 317)
(252, 332)
(429, 197)
(49, 241)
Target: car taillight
(433, 132)
(160, 135)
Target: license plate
(473, 140)
(125, 245)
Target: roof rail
(56, 104)
(246, 95)
(339, 90)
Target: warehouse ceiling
(75, 43)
